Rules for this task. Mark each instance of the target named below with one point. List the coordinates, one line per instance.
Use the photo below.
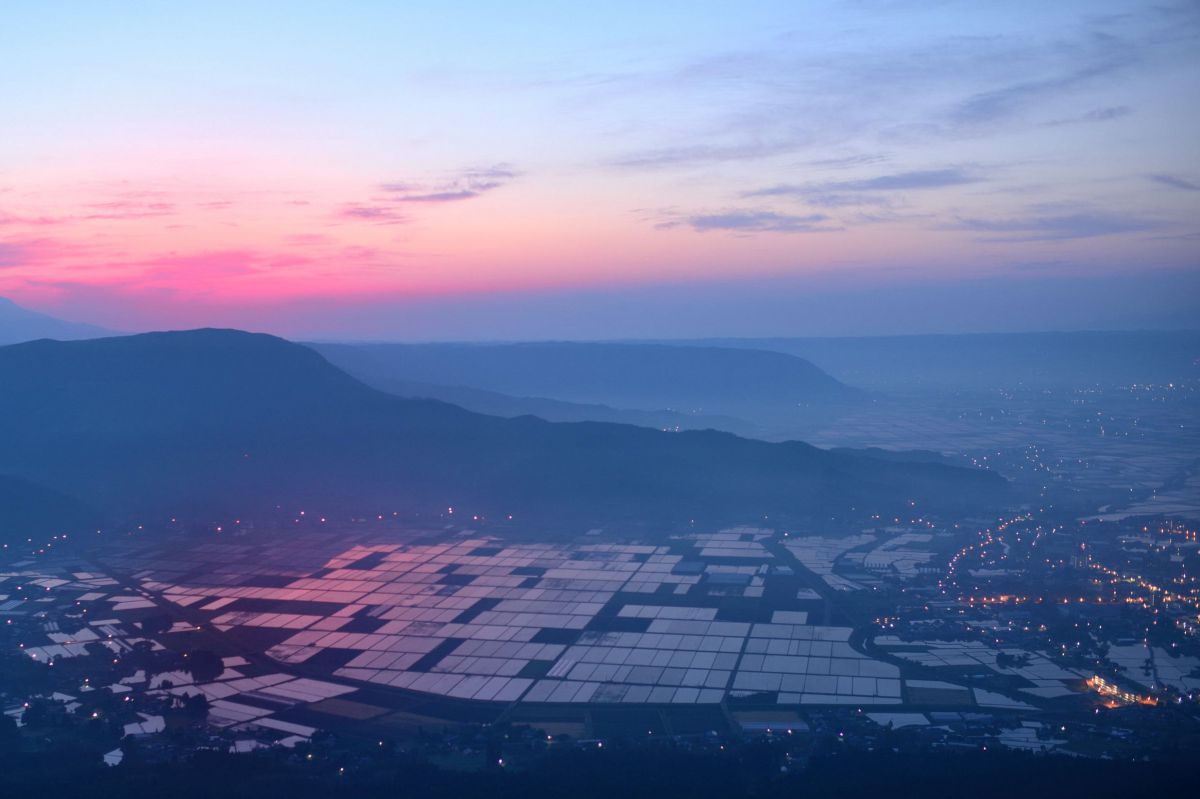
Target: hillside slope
(223, 421)
(756, 386)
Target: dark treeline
(629, 773)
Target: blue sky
(533, 169)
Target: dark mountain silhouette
(220, 421)
(764, 388)
(21, 324)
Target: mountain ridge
(746, 391)
(19, 324)
(224, 421)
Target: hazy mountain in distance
(371, 365)
(21, 324)
(990, 361)
(213, 421)
(907, 455)
(495, 404)
(767, 389)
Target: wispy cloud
(750, 221)
(1095, 115)
(12, 255)
(29, 221)
(848, 161)
(822, 199)
(907, 181)
(40, 253)
(785, 99)
(439, 196)
(468, 184)
(1054, 227)
(692, 155)
(378, 214)
(989, 107)
(921, 179)
(464, 185)
(1176, 182)
(127, 209)
(868, 191)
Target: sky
(502, 170)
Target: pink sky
(168, 170)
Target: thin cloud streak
(1055, 227)
(749, 221)
(1176, 182)
(468, 185)
(841, 192)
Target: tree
(156, 624)
(39, 713)
(196, 706)
(10, 735)
(203, 665)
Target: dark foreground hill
(755, 769)
(215, 421)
